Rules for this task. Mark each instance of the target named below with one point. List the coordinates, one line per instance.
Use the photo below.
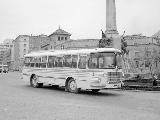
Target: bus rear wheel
(34, 82)
(72, 86)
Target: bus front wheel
(72, 86)
(34, 82)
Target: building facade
(78, 44)
(36, 42)
(24, 44)
(3, 48)
(6, 55)
(21, 47)
(60, 39)
(144, 52)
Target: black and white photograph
(79, 60)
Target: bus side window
(35, 61)
(67, 61)
(56, 62)
(74, 61)
(36, 65)
(51, 60)
(92, 62)
(101, 62)
(32, 62)
(60, 61)
(44, 62)
(27, 62)
(38, 62)
(82, 62)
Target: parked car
(4, 71)
(4, 68)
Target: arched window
(137, 64)
(59, 38)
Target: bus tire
(34, 82)
(72, 86)
(95, 90)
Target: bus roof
(70, 52)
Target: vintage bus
(75, 70)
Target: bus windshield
(119, 60)
(102, 61)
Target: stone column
(111, 27)
(110, 16)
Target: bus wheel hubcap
(34, 81)
(73, 85)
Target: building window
(156, 62)
(135, 44)
(137, 54)
(24, 40)
(141, 64)
(137, 64)
(82, 62)
(148, 53)
(24, 51)
(59, 38)
(147, 64)
(65, 38)
(62, 38)
(24, 45)
(62, 46)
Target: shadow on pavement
(82, 92)
(100, 93)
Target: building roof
(60, 32)
(21, 36)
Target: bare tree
(151, 59)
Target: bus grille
(114, 77)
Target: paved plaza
(19, 101)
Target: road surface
(19, 101)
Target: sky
(84, 19)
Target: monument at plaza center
(111, 27)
